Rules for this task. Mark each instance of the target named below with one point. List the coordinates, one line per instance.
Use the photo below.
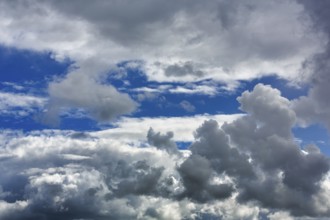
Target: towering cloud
(284, 174)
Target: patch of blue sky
(30, 70)
(167, 102)
(183, 145)
(25, 123)
(314, 134)
(78, 124)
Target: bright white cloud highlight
(183, 127)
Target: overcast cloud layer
(242, 166)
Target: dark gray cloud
(315, 106)
(183, 69)
(196, 173)
(125, 21)
(286, 176)
(162, 141)
(213, 144)
(140, 178)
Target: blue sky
(164, 109)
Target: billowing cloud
(286, 175)
(247, 168)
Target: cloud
(162, 141)
(242, 166)
(103, 102)
(20, 105)
(183, 69)
(208, 88)
(187, 106)
(242, 169)
(314, 108)
(195, 173)
(266, 136)
(130, 128)
(182, 41)
(65, 187)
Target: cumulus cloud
(285, 170)
(242, 169)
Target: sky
(153, 109)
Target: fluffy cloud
(243, 169)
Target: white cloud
(9, 102)
(183, 127)
(195, 89)
(207, 88)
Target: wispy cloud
(19, 105)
